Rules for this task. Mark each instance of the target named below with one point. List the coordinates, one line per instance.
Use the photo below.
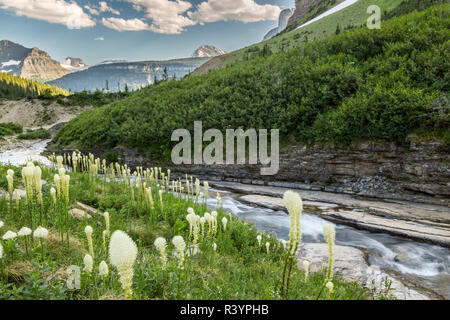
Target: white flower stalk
(285, 244)
(330, 286)
(88, 263)
(208, 219)
(1, 251)
(10, 180)
(62, 172)
(38, 183)
(306, 267)
(40, 233)
(59, 160)
(214, 246)
(197, 187)
(24, 232)
(2, 224)
(65, 185)
(191, 218)
(180, 246)
(53, 194)
(161, 245)
(103, 269)
(10, 172)
(294, 205)
(27, 174)
(329, 233)
(219, 200)
(9, 235)
(259, 238)
(224, 223)
(88, 230)
(214, 222)
(122, 254)
(267, 247)
(107, 221)
(150, 197)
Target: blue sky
(155, 29)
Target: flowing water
(421, 264)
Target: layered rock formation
(38, 65)
(29, 63)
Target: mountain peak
(207, 51)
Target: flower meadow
(86, 229)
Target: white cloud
(92, 10)
(105, 8)
(53, 11)
(120, 25)
(240, 10)
(99, 39)
(167, 16)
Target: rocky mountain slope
(282, 24)
(207, 51)
(28, 63)
(74, 64)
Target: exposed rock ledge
(351, 265)
(422, 222)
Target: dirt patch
(37, 113)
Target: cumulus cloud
(92, 10)
(240, 10)
(120, 25)
(53, 11)
(167, 16)
(105, 8)
(99, 39)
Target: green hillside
(13, 87)
(362, 84)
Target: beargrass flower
(161, 244)
(259, 238)
(88, 230)
(103, 269)
(1, 251)
(294, 205)
(224, 223)
(330, 286)
(10, 172)
(40, 233)
(306, 267)
(214, 246)
(10, 180)
(122, 255)
(9, 235)
(88, 263)
(267, 247)
(329, 233)
(219, 200)
(2, 224)
(180, 246)
(53, 194)
(205, 188)
(24, 232)
(106, 216)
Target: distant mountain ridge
(208, 51)
(27, 63)
(113, 76)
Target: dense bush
(35, 134)
(9, 129)
(360, 84)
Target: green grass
(10, 129)
(239, 269)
